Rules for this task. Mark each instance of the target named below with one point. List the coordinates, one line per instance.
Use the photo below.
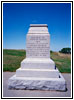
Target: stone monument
(37, 71)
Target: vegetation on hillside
(12, 60)
(62, 61)
(65, 50)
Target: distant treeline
(64, 50)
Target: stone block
(39, 73)
(38, 63)
(37, 83)
(38, 46)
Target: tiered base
(37, 74)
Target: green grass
(62, 61)
(12, 60)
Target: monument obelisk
(38, 71)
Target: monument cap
(38, 25)
(38, 29)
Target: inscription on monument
(38, 46)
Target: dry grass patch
(12, 60)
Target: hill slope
(13, 58)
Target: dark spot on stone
(55, 66)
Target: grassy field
(13, 58)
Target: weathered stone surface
(37, 83)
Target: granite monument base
(37, 74)
(34, 83)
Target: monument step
(38, 63)
(37, 83)
(42, 73)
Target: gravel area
(34, 93)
